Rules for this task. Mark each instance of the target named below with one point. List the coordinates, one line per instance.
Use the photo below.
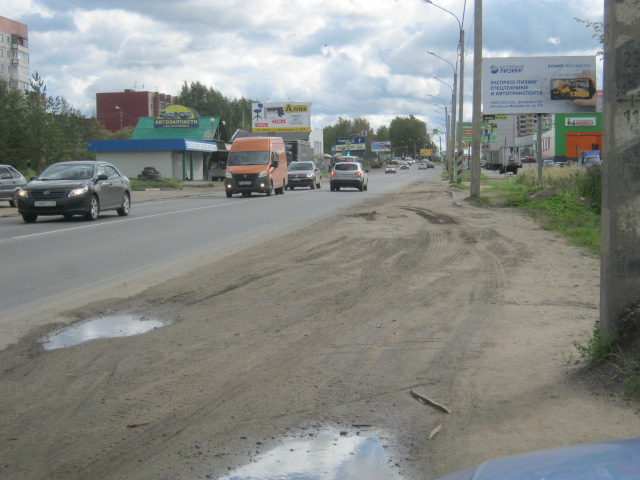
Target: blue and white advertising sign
(381, 146)
(351, 144)
(520, 85)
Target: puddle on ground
(105, 327)
(327, 455)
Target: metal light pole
(461, 99)
(121, 115)
(451, 135)
(451, 147)
(477, 99)
(453, 118)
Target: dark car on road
(304, 174)
(81, 187)
(11, 181)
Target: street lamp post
(461, 99)
(450, 123)
(121, 114)
(451, 155)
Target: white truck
(505, 159)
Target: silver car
(304, 174)
(348, 174)
(11, 181)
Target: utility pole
(460, 152)
(620, 223)
(477, 100)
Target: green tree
(598, 31)
(382, 134)
(408, 135)
(13, 140)
(208, 102)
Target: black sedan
(84, 188)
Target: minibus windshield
(248, 158)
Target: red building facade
(118, 110)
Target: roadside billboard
(351, 144)
(281, 117)
(489, 132)
(381, 146)
(520, 85)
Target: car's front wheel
(125, 207)
(14, 201)
(29, 217)
(94, 209)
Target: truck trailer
(505, 159)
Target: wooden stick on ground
(435, 431)
(428, 401)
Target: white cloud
(357, 58)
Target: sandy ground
(474, 308)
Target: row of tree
(37, 129)
(406, 134)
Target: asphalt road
(59, 264)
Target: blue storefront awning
(153, 145)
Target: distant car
(527, 160)
(349, 174)
(605, 460)
(404, 166)
(430, 164)
(422, 166)
(390, 169)
(11, 181)
(548, 162)
(304, 174)
(82, 187)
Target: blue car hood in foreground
(617, 460)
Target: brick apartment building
(118, 110)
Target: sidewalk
(189, 189)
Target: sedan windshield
(67, 172)
(248, 158)
(297, 166)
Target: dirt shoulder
(419, 290)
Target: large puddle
(326, 455)
(105, 327)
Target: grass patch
(613, 358)
(138, 184)
(570, 209)
(568, 202)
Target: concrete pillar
(620, 258)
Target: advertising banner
(489, 132)
(520, 85)
(381, 146)
(176, 116)
(281, 117)
(350, 144)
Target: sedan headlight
(22, 193)
(78, 192)
(309, 175)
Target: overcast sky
(349, 58)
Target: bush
(581, 183)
